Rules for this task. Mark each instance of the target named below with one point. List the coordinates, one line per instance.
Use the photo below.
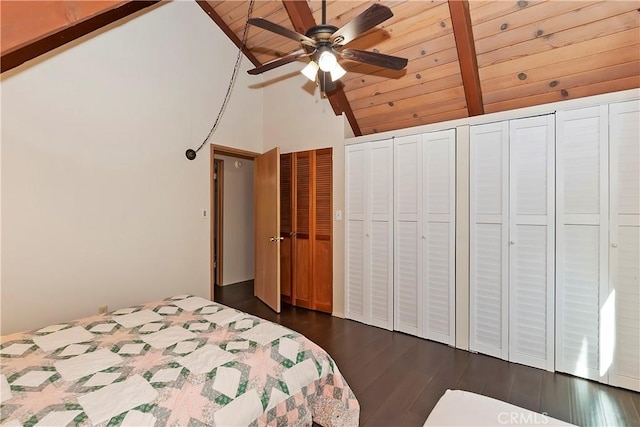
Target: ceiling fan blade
(362, 23)
(373, 58)
(275, 28)
(278, 62)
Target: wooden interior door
(267, 228)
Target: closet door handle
(275, 239)
(614, 245)
(513, 242)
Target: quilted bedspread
(184, 361)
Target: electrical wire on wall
(190, 153)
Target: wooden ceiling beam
(465, 45)
(29, 29)
(209, 10)
(302, 19)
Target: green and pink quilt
(183, 361)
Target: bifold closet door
(302, 236)
(622, 304)
(323, 230)
(438, 236)
(489, 237)
(582, 249)
(407, 231)
(424, 189)
(286, 227)
(512, 168)
(355, 204)
(532, 241)
(369, 233)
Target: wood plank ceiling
(465, 58)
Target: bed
(462, 408)
(181, 361)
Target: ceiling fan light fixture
(310, 71)
(337, 72)
(327, 60)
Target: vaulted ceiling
(465, 58)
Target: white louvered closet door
(408, 247)
(621, 307)
(369, 233)
(379, 235)
(532, 241)
(582, 221)
(489, 232)
(438, 236)
(355, 204)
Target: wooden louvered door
(286, 227)
(302, 239)
(323, 230)
(307, 229)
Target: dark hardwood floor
(398, 378)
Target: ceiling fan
(324, 43)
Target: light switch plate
(338, 215)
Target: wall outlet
(103, 309)
(338, 215)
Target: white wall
(237, 238)
(297, 119)
(99, 204)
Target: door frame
(218, 220)
(224, 151)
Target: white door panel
(582, 188)
(489, 233)
(624, 252)
(532, 241)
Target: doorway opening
(231, 219)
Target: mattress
(181, 361)
(462, 408)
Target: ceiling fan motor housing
(321, 33)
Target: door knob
(614, 245)
(513, 242)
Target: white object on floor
(462, 408)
